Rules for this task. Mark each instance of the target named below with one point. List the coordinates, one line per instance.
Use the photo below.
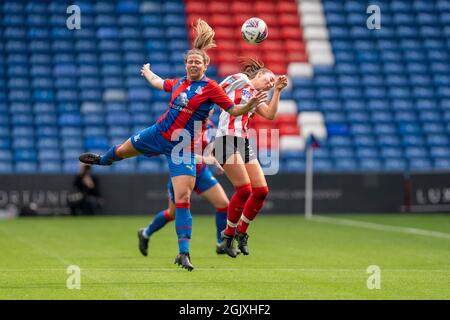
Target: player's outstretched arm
(240, 109)
(269, 111)
(153, 79)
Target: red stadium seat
(278, 68)
(226, 45)
(197, 7)
(287, 7)
(270, 19)
(295, 56)
(250, 49)
(264, 7)
(239, 19)
(243, 7)
(259, 121)
(226, 33)
(192, 19)
(226, 69)
(225, 57)
(219, 7)
(294, 33)
(289, 131)
(275, 33)
(287, 19)
(272, 45)
(220, 20)
(295, 46)
(278, 57)
(286, 120)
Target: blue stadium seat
(323, 165)
(25, 167)
(416, 152)
(50, 167)
(292, 165)
(6, 167)
(442, 164)
(71, 132)
(49, 154)
(127, 166)
(420, 164)
(364, 141)
(96, 142)
(370, 164)
(388, 140)
(149, 165)
(395, 164)
(46, 142)
(71, 166)
(342, 152)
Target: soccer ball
(254, 30)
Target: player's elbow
(233, 111)
(267, 116)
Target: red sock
(236, 206)
(252, 207)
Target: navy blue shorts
(150, 142)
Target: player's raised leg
(115, 153)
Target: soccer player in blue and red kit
(206, 185)
(193, 96)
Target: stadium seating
(379, 100)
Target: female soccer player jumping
(193, 96)
(206, 185)
(233, 150)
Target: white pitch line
(381, 227)
(177, 269)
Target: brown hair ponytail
(252, 66)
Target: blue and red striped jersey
(191, 101)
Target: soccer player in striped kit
(192, 97)
(206, 185)
(233, 151)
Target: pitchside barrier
(333, 193)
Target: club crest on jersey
(246, 95)
(199, 90)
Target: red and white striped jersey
(239, 89)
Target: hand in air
(281, 82)
(145, 70)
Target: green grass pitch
(290, 258)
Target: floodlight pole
(309, 182)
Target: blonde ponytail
(203, 41)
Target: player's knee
(222, 204)
(183, 197)
(260, 193)
(244, 191)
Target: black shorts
(226, 146)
